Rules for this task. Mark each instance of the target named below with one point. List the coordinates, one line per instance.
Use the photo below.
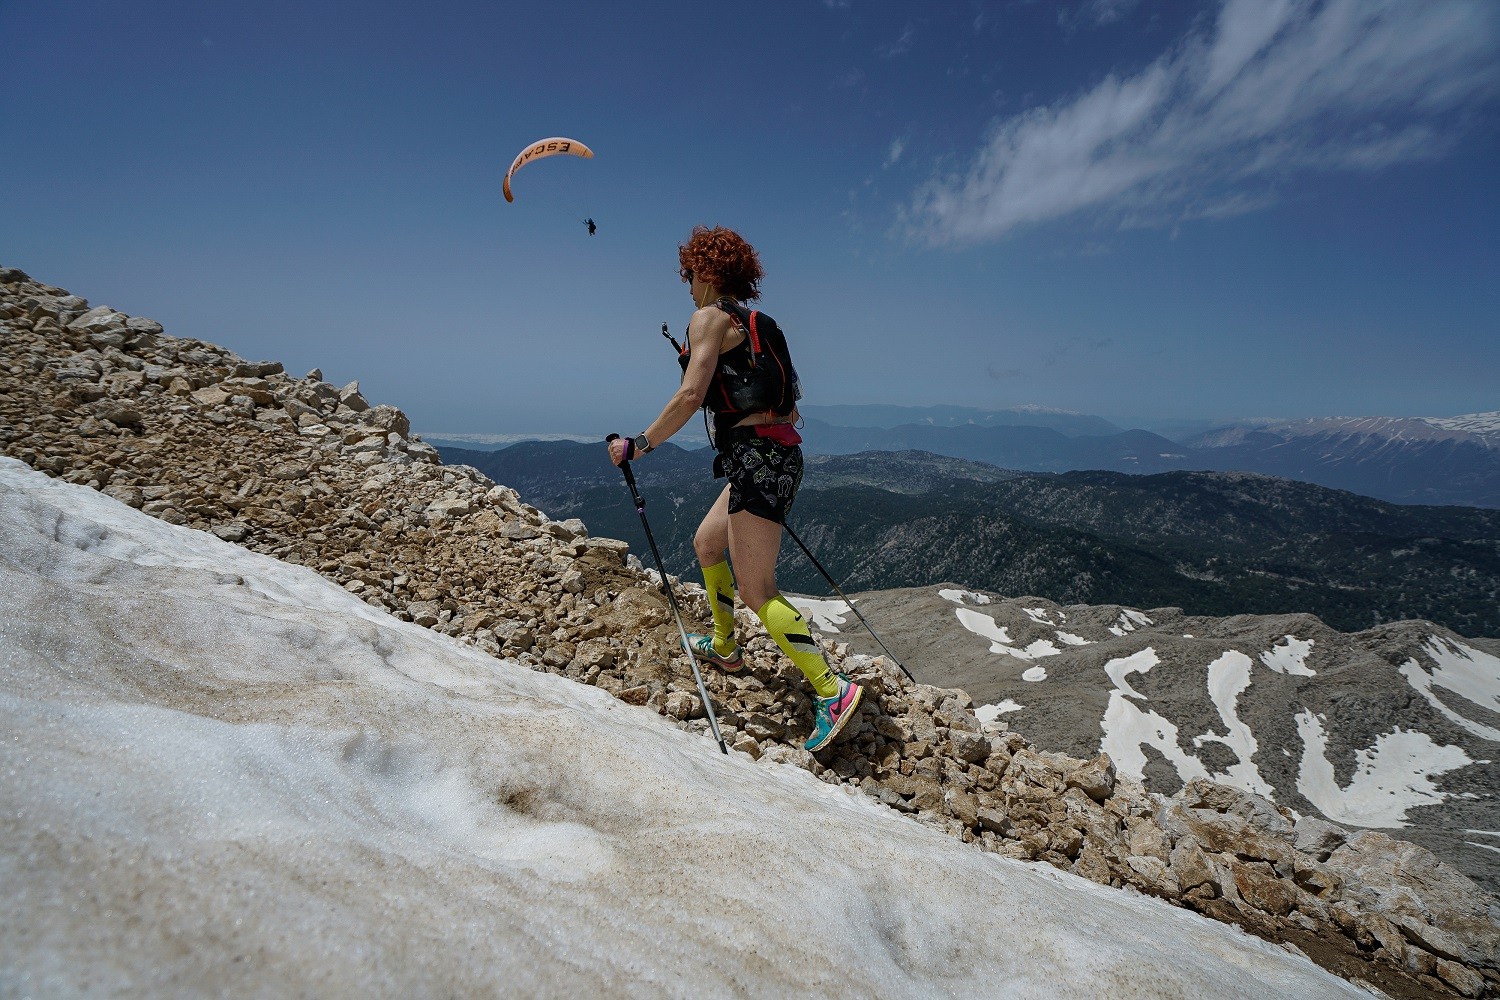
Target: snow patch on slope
(1228, 678)
(1128, 727)
(963, 596)
(824, 615)
(986, 627)
(1471, 674)
(1289, 656)
(1390, 777)
(1129, 621)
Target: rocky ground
(311, 473)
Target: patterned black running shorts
(763, 476)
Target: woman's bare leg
(712, 537)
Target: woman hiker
(759, 455)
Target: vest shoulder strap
(745, 319)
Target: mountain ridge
(1429, 460)
(1214, 543)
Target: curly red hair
(722, 258)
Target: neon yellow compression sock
(719, 582)
(786, 625)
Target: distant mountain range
(879, 415)
(1453, 460)
(1210, 543)
(1408, 460)
(1426, 460)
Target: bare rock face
(312, 473)
(1434, 907)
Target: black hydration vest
(754, 376)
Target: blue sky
(1145, 211)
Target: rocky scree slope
(312, 474)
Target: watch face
(641, 444)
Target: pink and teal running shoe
(703, 649)
(831, 714)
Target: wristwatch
(641, 444)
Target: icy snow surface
(225, 775)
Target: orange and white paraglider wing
(542, 148)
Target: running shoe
(831, 714)
(703, 649)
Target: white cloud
(1272, 87)
(898, 146)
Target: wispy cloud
(1208, 129)
(1094, 13)
(893, 155)
(899, 46)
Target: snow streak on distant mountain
(1479, 428)
(1486, 425)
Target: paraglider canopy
(542, 148)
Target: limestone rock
(1318, 837)
(100, 319)
(1191, 866)
(349, 397)
(1096, 779)
(231, 532)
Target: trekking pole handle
(629, 476)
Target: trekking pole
(687, 647)
(666, 333)
(836, 589)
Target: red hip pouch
(780, 433)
